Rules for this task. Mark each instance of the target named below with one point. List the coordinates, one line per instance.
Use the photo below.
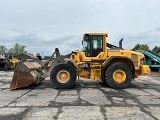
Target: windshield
(86, 43)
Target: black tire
(154, 69)
(122, 69)
(6, 67)
(60, 72)
(103, 79)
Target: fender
(71, 62)
(112, 60)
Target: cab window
(96, 45)
(92, 45)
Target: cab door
(93, 45)
(96, 45)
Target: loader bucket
(26, 73)
(32, 72)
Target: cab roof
(97, 33)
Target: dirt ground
(93, 100)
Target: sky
(43, 25)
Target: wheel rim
(63, 76)
(119, 76)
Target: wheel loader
(98, 60)
(7, 61)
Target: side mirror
(82, 42)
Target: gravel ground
(92, 101)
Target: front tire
(154, 69)
(6, 67)
(63, 76)
(118, 76)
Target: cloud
(151, 38)
(157, 29)
(36, 44)
(42, 25)
(16, 30)
(68, 43)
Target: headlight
(143, 61)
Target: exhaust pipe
(120, 43)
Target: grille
(134, 58)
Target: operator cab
(93, 44)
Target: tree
(11, 51)
(17, 49)
(136, 47)
(156, 49)
(38, 54)
(144, 47)
(141, 47)
(3, 49)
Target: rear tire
(63, 76)
(118, 76)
